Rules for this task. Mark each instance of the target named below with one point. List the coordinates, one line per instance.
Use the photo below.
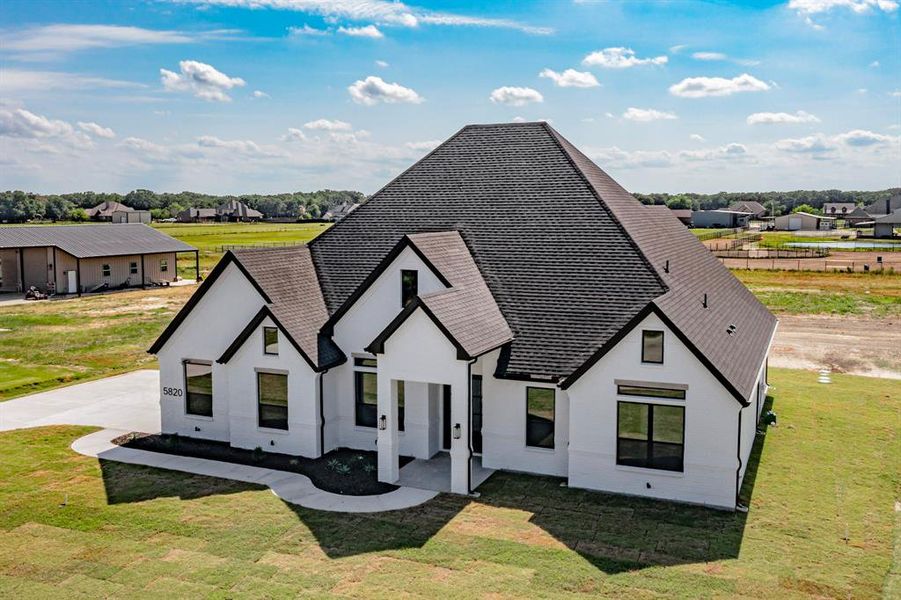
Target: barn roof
(86, 241)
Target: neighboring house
(683, 214)
(234, 210)
(131, 216)
(857, 217)
(197, 215)
(719, 219)
(884, 207)
(340, 212)
(71, 259)
(756, 209)
(802, 221)
(884, 226)
(104, 211)
(838, 209)
(606, 346)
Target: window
(400, 405)
(164, 265)
(133, 268)
(652, 347)
(272, 397)
(365, 398)
(365, 362)
(653, 392)
(105, 270)
(650, 435)
(199, 389)
(270, 340)
(409, 286)
(540, 417)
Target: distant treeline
(778, 203)
(17, 206)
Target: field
(819, 526)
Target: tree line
(18, 206)
(777, 203)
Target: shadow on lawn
(614, 533)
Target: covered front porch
(435, 473)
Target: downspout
(469, 423)
(738, 455)
(322, 413)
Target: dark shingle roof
(85, 241)
(288, 278)
(107, 208)
(564, 284)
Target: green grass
(819, 526)
(776, 239)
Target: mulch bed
(341, 471)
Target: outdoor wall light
(383, 423)
(457, 431)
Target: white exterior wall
(711, 425)
(204, 335)
(504, 425)
(302, 435)
(359, 326)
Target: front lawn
(820, 525)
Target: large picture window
(650, 436)
(652, 347)
(272, 399)
(198, 388)
(409, 286)
(540, 417)
(366, 398)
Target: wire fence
(227, 247)
(712, 235)
(810, 264)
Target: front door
(477, 414)
(446, 417)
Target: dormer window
(652, 347)
(409, 286)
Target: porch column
(460, 456)
(388, 447)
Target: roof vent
(705, 301)
(666, 267)
(730, 330)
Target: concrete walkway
(130, 402)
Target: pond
(844, 245)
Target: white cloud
(245, 147)
(620, 58)
(571, 78)
(813, 7)
(369, 31)
(862, 137)
(702, 87)
(426, 145)
(811, 144)
(861, 90)
(646, 115)
(895, 94)
(874, 64)
(515, 96)
(631, 159)
(820, 143)
(19, 80)
(201, 79)
(294, 135)
(260, 94)
(26, 125)
(97, 130)
(306, 30)
(709, 56)
(327, 125)
(770, 118)
(381, 64)
(378, 11)
(728, 152)
(696, 137)
(677, 48)
(143, 146)
(374, 89)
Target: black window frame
(164, 265)
(266, 331)
(649, 462)
(644, 334)
(401, 401)
(189, 404)
(366, 363)
(362, 410)
(647, 391)
(132, 268)
(270, 422)
(106, 270)
(408, 289)
(530, 420)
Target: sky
(267, 96)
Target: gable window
(272, 399)
(409, 286)
(650, 435)
(198, 388)
(652, 347)
(540, 417)
(270, 340)
(105, 270)
(164, 265)
(133, 268)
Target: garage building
(802, 221)
(70, 259)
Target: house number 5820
(169, 391)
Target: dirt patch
(859, 346)
(341, 471)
